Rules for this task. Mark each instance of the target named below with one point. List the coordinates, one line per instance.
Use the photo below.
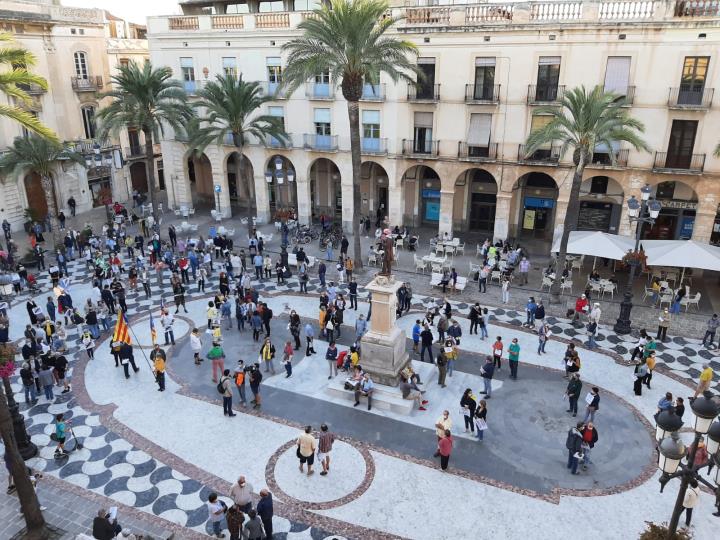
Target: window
(274, 70)
(81, 67)
(124, 62)
(279, 113)
(306, 5)
(229, 65)
(88, 117)
(617, 75)
(422, 143)
(599, 184)
(371, 124)
(425, 88)
(539, 121)
(478, 137)
(484, 79)
(322, 122)
(693, 78)
(274, 5)
(665, 190)
(681, 143)
(188, 73)
(547, 79)
(237, 8)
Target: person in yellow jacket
(650, 362)
(159, 369)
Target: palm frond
(35, 154)
(28, 121)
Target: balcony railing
(373, 92)
(321, 143)
(420, 147)
(33, 105)
(473, 152)
(324, 91)
(543, 94)
(690, 163)
(542, 156)
(427, 15)
(628, 94)
(183, 23)
(273, 89)
(32, 89)
(89, 84)
(272, 20)
(88, 146)
(697, 8)
(601, 160)
(556, 11)
(482, 93)
(134, 152)
(423, 92)
(228, 22)
(273, 142)
(369, 145)
(690, 98)
(489, 13)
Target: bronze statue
(388, 258)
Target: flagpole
(122, 316)
(141, 349)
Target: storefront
(430, 198)
(537, 217)
(100, 185)
(675, 222)
(598, 216)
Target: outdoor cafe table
(433, 259)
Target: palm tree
(41, 156)
(349, 40)
(14, 83)
(229, 110)
(145, 99)
(581, 122)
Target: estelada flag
(122, 333)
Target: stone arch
(199, 173)
(474, 201)
(281, 182)
(679, 209)
(241, 193)
(374, 189)
(601, 204)
(421, 187)
(325, 188)
(533, 206)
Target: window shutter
(278, 112)
(603, 148)
(539, 121)
(423, 120)
(322, 116)
(371, 117)
(485, 61)
(617, 74)
(186, 62)
(425, 60)
(549, 61)
(479, 131)
(273, 61)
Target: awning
(597, 244)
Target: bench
(435, 279)
(461, 284)
(292, 260)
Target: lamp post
(640, 212)
(672, 451)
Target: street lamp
(672, 451)
(640, 212)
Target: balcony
(138, 152)
(34, 104)
(273, 142)
(373, 146)
(628, 94)
(542, 156)
(228, 22)
(467, 152)
(89, 84)
(603, 160)
(32, 89)
(423, 93)
(697, 99)
(183, 23)
(273, 90)
(482, 94)
(544, 94)
(88, 146)
(420, 148)
(272, 20)
(684, 163)
(320, 143)
(320, 91)
(373, 92)
(427, 15)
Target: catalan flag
(122, 332)
(153, 332)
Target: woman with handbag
(640, 373)
(480, 419)
(468, 404)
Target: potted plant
(653, 531)
(31, 216)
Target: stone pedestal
(384, 352)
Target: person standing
(497, 350)
(593, 404)
(217, 357)
(589, 438)
(253, 529)
(309, 338)
(514, 358)
(216, 511)
(712, 326)
(442, 362)
(325, 443)
(573, 443)
(573, 391)
(265, 512)
(706, 377)
(306, 450)
(481, 419)
(360, 327)
(591, 331)
(468, 404)
(226, 385)
(255, 380)
(426, 340)
(663, 325)
(505, 290)
(691, 500)
(72, 204)
(235, 518)
(640, 373)
(179, 296)
(441, 425)
(241, 494)
(196, 345)
(240, 381)
(543, 332)
(445, 446)
(159, 369)
(331, 356)
(474, 317)
(486, 371)
(650, 361)
(267, 353)
(167, 320)
(524, 271)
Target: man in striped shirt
(325, 443)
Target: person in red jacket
(582, 306)
(445, 448)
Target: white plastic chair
(399, 244)
(695, 301)
(420, 265)
(495, 275)
(372, 259)
(436, 268)
(460, 248)
(567, 284)
(609, 288)
(546, 282)
(666, 299)
(439, 249)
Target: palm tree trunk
(571, 219)
(49, 189)
(240, 181)
(29, 504)
(354, 117)
(150, 174)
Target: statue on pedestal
(388, 246)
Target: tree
(229, 109)
(583, 120)
(145, 99)
(349, 40)
(15, 79)
(36, 154)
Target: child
(287, 358)
(60, 435)
(88, 344)
(497, 350)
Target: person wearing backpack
(224, 387)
